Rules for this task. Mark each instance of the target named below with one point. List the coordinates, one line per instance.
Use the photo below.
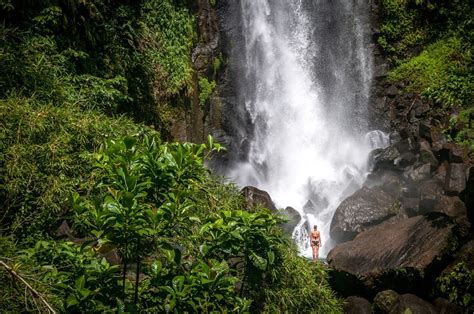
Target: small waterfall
(305, 72)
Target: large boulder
(294, 218)
(456, 209)
(456, 179)
(254, 197)
(389, 181)
(365, 208)
(385, 158)
(406, 249)
(357, 305)
(390, 302)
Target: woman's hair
(315, 227)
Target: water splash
(307, 73)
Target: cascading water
(305, 83)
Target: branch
(30, 288)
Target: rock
(443, 306)
(410, 303)
(430, 191)
(405, 159)
(386, 301)
(468, 194)
(455, 179)
(64, 231)
(294, 218)
(424, 144)
(406, 145)
(392, 91)
(387, 180)
(411, 205)
(418, 174)
(424, 131)
(456, 209)
(110, 253)
(357, 305)
(442, 171)
(421, 107)
(390, 302)
(451, 152)
(385, 159)
(254, 197)
(427, 157)
(365, 208)
(398, 251)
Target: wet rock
(254, 197)
(395, 253)
(455, 179)
(294, 218)
(357, 305)
(427, 157)
(411, 205)
(389, 181)
(365, 208)
(385, 159)
(405, 159)
(419, 173)
(451, 206)
(430, 191)
(406, 145)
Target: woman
(315, 238)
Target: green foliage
(206, 89)
(84, 281)
(42, 160)
(207, 288)
(296, 285)
(430, 44)
(168, 36)
(458, 285)
(442, 72)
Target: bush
(42, 159)
(458, 285)
(441, 72)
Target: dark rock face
(254, 197)
(364, 208)
(454, 208)
(293, 219)
(414, 243)
(357, 305)
(443, 306)
(385, 159)
(390, 302)
(456, 179)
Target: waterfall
(303, 83)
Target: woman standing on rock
(315, 239)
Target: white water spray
(306, 84)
